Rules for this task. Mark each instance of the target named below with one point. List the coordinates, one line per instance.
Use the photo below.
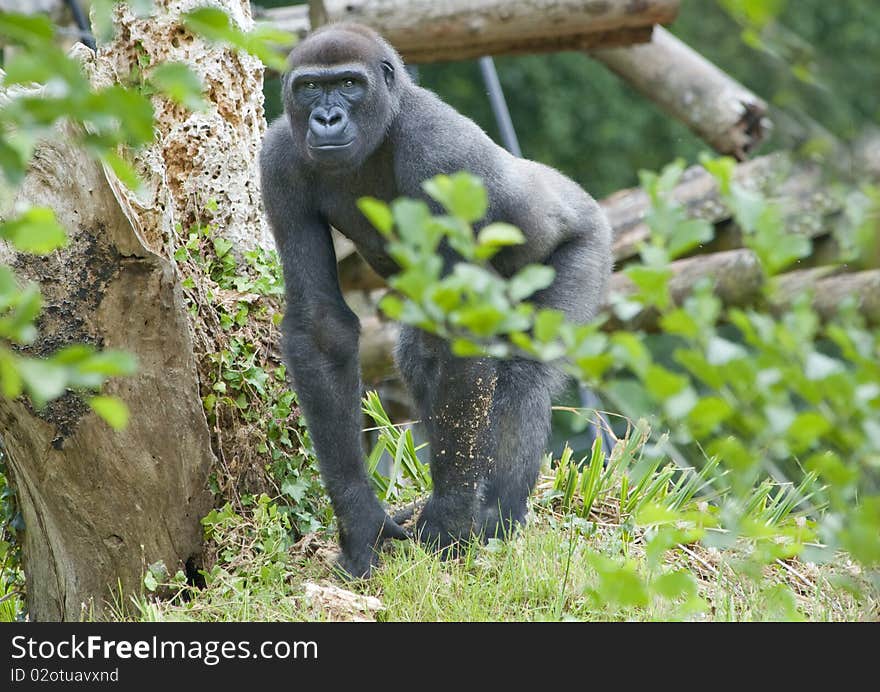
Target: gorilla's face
(339, 113)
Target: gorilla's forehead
(336, 70)
(336, 47)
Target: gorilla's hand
(359, 541)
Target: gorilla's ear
(388, 70)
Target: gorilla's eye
(348, 83)
(311, 86)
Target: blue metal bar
(499, 106)
(82, 23)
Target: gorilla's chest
(343, 214)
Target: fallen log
(717, 108)
(736, 275)
(831, 287)
(737, 279)
(429, 31)
(797, 186)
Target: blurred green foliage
(743, 394)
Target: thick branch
(429, 31)
(726, 115)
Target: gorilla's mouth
(332, 146)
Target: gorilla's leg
(521, 407)
(521, 421)
(454, 397)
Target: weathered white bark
(432, 30)
(100, 505)
(198, 157)
(720, 110)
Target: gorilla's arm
(320, 342)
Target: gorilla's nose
(327, 123)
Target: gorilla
(356, 125)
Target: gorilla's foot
(501, 522)
(443, 527)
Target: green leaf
(655, 514)
(180, 84)
(467, 349)
(529, 280)
(295, 489)
(110, 364)
(481, 320)
(112, 410)
(265, 42)
(722, 169)
(806, 429)
(392, 306)
(663, 383)
(500, 235)
(547, 324)
(211, 22)
(10, 381)
(819, 366)
(672, 585)
(680, 322)
(28, 29)
(378, 213)
(35, 230)
(630, 349)
(689, 234)
(652, 282)
(411, 217)
(123, 169)
(721, 351)
(732, 452)
(708, 413)
(27, 67)
(116, 107)
(679, 405)
(12, 162)
(461, 194)
(222, 246)
(43, 381)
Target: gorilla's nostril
(335, 119)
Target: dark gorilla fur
(355, 125)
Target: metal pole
(499, 106)
(85, 31)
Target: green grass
(547, 573)
(572, 562)
(626, 536)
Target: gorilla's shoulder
(277, 150)
(430, 128)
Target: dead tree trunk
(429, 31)
(99, 505)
